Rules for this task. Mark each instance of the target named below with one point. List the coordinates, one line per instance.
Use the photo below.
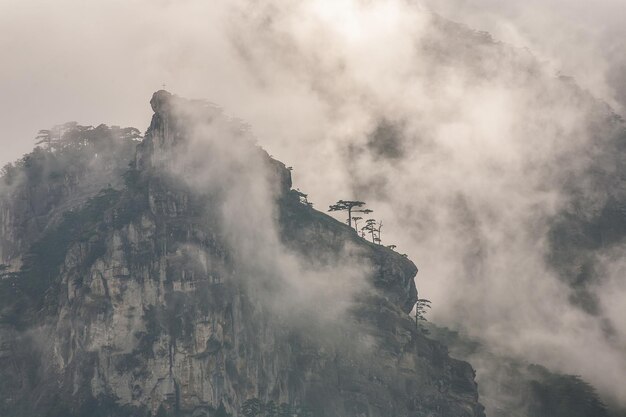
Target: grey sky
(315, 77)
(96, 62)
(582, 38)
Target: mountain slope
(203, 286)
(513, 387)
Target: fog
(464, 147)
(220, 161)
(585, 39)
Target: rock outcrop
(137, 302)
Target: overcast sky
(581, 38)
(99, 61)
(476, 178)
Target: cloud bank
(466, 147)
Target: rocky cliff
(512, 387)
(196, 283)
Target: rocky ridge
(142, 306)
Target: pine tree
(370, 227)
(421, 307)
(349, 206)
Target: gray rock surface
(147, 310)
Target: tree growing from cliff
(351, 206)
(370, 227)
(421, 307)
(378, 237)
(303, 198)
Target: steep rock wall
(151, 313)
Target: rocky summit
(179, 274)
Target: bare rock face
(149, 308)
(160, 102)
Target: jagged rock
(160, 102)
(147, 309)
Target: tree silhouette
(44, 137)
(421, 307)
(49, 138)
(302, 197)
(370, 227)
(378, 238)
(349, 206)
(356, 222)
(73, 135)
(126, 133)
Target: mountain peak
(203, 282)
(161, 101)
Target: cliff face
(143, 300)
(512, 387)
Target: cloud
(241, 189)
(491, 141)
(581, 39)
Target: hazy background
(582, 38)
(463, 148)
(98, 62)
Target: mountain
(187, 278)
(581, 239)
(518, 214)
(513, 387)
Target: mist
(220, 161)
(583, 39)
(464, 146)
